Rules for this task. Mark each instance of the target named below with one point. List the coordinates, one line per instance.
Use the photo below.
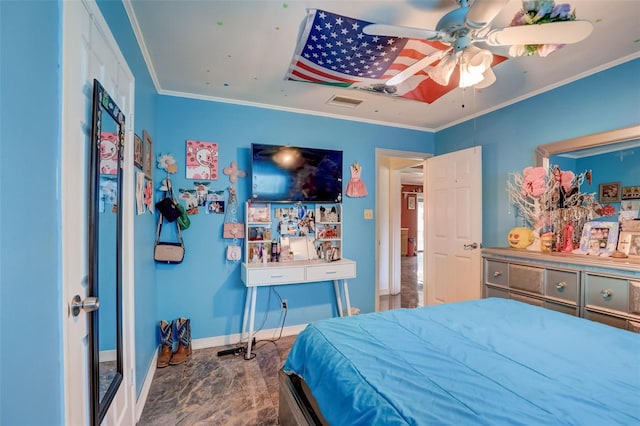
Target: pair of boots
(183, 336)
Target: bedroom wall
(604, 101)
(31, 305)
(207, 288)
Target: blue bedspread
(489, 361)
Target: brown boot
(166, 341)
(183, 333)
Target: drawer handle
(606, 293)
(331, 272)
(277, 276)
(561, 285)
(497, 274)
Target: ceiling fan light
(441, 73)
(489, 79)
(480, 61)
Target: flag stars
(338, 21)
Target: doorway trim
(389, 164)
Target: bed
(490, 361)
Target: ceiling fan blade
(415, 67)
(482, 12)
(564, 32)
(406, 32)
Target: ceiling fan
(466, 25)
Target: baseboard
(146, 386)
(232, 339)
(210, 342)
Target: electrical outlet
(368, 213)
(284, 305)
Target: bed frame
(297, 407)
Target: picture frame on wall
(147, 165)
(411, 203)
(138, 151)
(630, 192)
(609, 192)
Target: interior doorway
(394, 266)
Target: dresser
(600, 289)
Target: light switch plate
(368, 213)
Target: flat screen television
(288, 173)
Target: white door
(90, 51)
(453, 264)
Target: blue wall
(31, 381)
(207, 288)
(604, 101)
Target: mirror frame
(102, 103)
(543, 152)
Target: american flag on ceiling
(333, 50)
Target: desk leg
(338, 298)
(252, 292)
(245, 318)
(345, 288)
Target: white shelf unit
(302, 231)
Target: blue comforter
(489, 361)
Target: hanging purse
(168, 252)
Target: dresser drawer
(634, 326)
(526, 278)
(569, 310)
(562, 285)
(606, 319)
(496, 272)
(267, 276)
(634, 297)
(331, 271)
(495, 292)
(607, 292)
(525, 299)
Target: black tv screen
(288, 173)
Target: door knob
(471, 246)
(89, 304)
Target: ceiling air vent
(344, 102)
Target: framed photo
(599, 238)
(137, 151)
(630, 192)
(411, 203)
(629, 243)
(609, 192)
(147, 157)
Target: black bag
(169, 209)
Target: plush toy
(520, 237)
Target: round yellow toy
(521, 237)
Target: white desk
(256, 275)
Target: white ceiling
(239, 51)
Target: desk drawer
(266, 276)
(562, 285)
(607, 292)
(331, 271)
(497, 272)
(526, 278)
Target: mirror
(105, 271)
(596, 140)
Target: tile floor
(210, 390)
